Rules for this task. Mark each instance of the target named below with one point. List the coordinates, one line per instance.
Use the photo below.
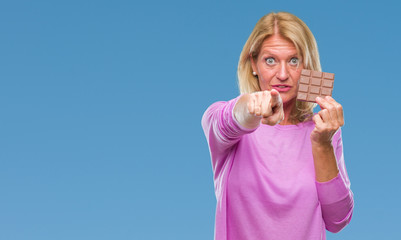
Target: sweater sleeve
(222, 132)
(335, 196)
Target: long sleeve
(222, 132)
(335, 196)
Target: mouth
(281, 87)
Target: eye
(294, 61)
(270, 61)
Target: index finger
(275, 98)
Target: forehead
(277, 44)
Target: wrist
(324, 161)
(323, 146)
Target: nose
(282, 73)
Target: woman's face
(279, 67)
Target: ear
(254, 68)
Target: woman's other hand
(327, 121)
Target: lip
(282, 87)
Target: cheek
(264, 83)
(265, 79)
(268, 75)
(296, 75)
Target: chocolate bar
(314, 84)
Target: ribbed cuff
(332, 191)
(234, 120)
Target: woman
(279, 170)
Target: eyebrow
(270, 53)
(274, 55)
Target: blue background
(101, 102)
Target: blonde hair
(295, 30)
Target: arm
(225, 122)
(332, 181)
(222, 132)
(335, 195)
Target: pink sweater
(264, 181)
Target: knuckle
(334, 126)
(256, 95)
(265, 114)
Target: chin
(288, 100)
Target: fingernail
(318, 98)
